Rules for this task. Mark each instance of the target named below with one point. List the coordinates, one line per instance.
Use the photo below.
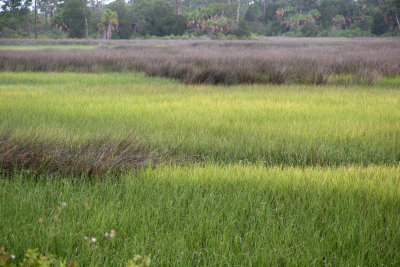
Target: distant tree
(243, 29)
(15, 15)
(73, 16)
(254, 13)
(379, 25)
(157, 18)
(109, 23)
(27, 13)
(124, 18)
(208, 21)
(177, 5)
(328, 12)
(309, 29)
(390, 10)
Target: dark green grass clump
(91, 158)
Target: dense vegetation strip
(194, 62)
(217, 19)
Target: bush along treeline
(218, 19)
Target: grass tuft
(91, 158)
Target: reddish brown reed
(92, 158)
(223, 62)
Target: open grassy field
(291, 125)
(246, 174)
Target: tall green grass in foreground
(291, 125)
(229, 209)
(230, 215)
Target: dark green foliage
(309, 29)
(365, 23)
(378, 24)
(327, 14)
(172, 25)
(254, 13)
(72, 14)
(125, 30)
(243, 29)
(157, 18)
(14, 17)
(169, 17)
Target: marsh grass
(294, 125)
(231, 215)
(226, 208)
(93, 158)
(274, 61)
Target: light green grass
(47, 47)
(211, 215)
(294, 125)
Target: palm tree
(109, 23)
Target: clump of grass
(91, 158)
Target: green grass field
(211, 215)
(291, 125)
(266, 175)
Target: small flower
(40, 220)
(106, 234)
(12, 256)
(93, 239)
(63, 204)
(112, 233)
(86, 238)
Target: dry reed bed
(92, 158)
(224, 62)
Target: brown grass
(92, 158)
(223, 62)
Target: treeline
(219, 19)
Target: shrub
(379, 25)
(160, 20)
(232, 37)
(309, 29)
(198, 33)
(243, 29)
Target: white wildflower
(112, 233)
